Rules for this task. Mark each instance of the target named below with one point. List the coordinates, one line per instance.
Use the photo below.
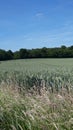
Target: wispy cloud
(39, 14)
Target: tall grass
(53, 81)
(36, 94)
(31, 111)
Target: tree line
(57, 52)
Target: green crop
(36, 94)
(54, 74)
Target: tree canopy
(58, 52)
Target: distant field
(36, 94)
(36, 65)
(30, 72)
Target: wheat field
(36, 94)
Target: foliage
(59, 52)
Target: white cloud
(39, 14)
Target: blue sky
(35, 23)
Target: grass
(34, 65)
(48, 111)
(51, 73)
(36, 94)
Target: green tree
(23, 53)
